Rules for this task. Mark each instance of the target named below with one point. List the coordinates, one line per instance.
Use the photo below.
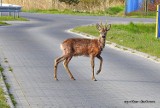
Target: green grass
(114, 10)
(13, 99)
(110, 11)
(8, 86)
(1, 69)
(66, 11)
(11, 18)
(3, 23)
(140, 37)
(3, 103)
(149, 14)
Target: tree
(70, 2)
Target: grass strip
(138, 36)
(11, 18)
(8, 88)
(111, 11)
(118, 10)
(3, 103)
(3, 23)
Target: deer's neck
(102, 42)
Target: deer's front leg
(100, 67)
(92, 64)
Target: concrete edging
(2, 82)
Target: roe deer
(82, 46)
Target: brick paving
(31, 48)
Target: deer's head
(103, 29)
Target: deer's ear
(108, 27)
(98, 26)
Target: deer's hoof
(72, 78)
(98, 72)
(94, 79)
(55, 79)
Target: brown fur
(82, 47)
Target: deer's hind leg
(57, 61)
(65, 63)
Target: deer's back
(81, 46)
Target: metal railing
(15, 9)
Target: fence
(10, 9)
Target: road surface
(126, 80)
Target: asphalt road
(31, 47)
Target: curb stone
(2, 81)
(118, 47)
(3, 85)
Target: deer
(83, 47)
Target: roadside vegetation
(11, 95)
(84, 7)
(10, 18)
(112, 11)
(3, 23)
(3, 103)
(138, 36)
(81, 5)
(140, 14)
